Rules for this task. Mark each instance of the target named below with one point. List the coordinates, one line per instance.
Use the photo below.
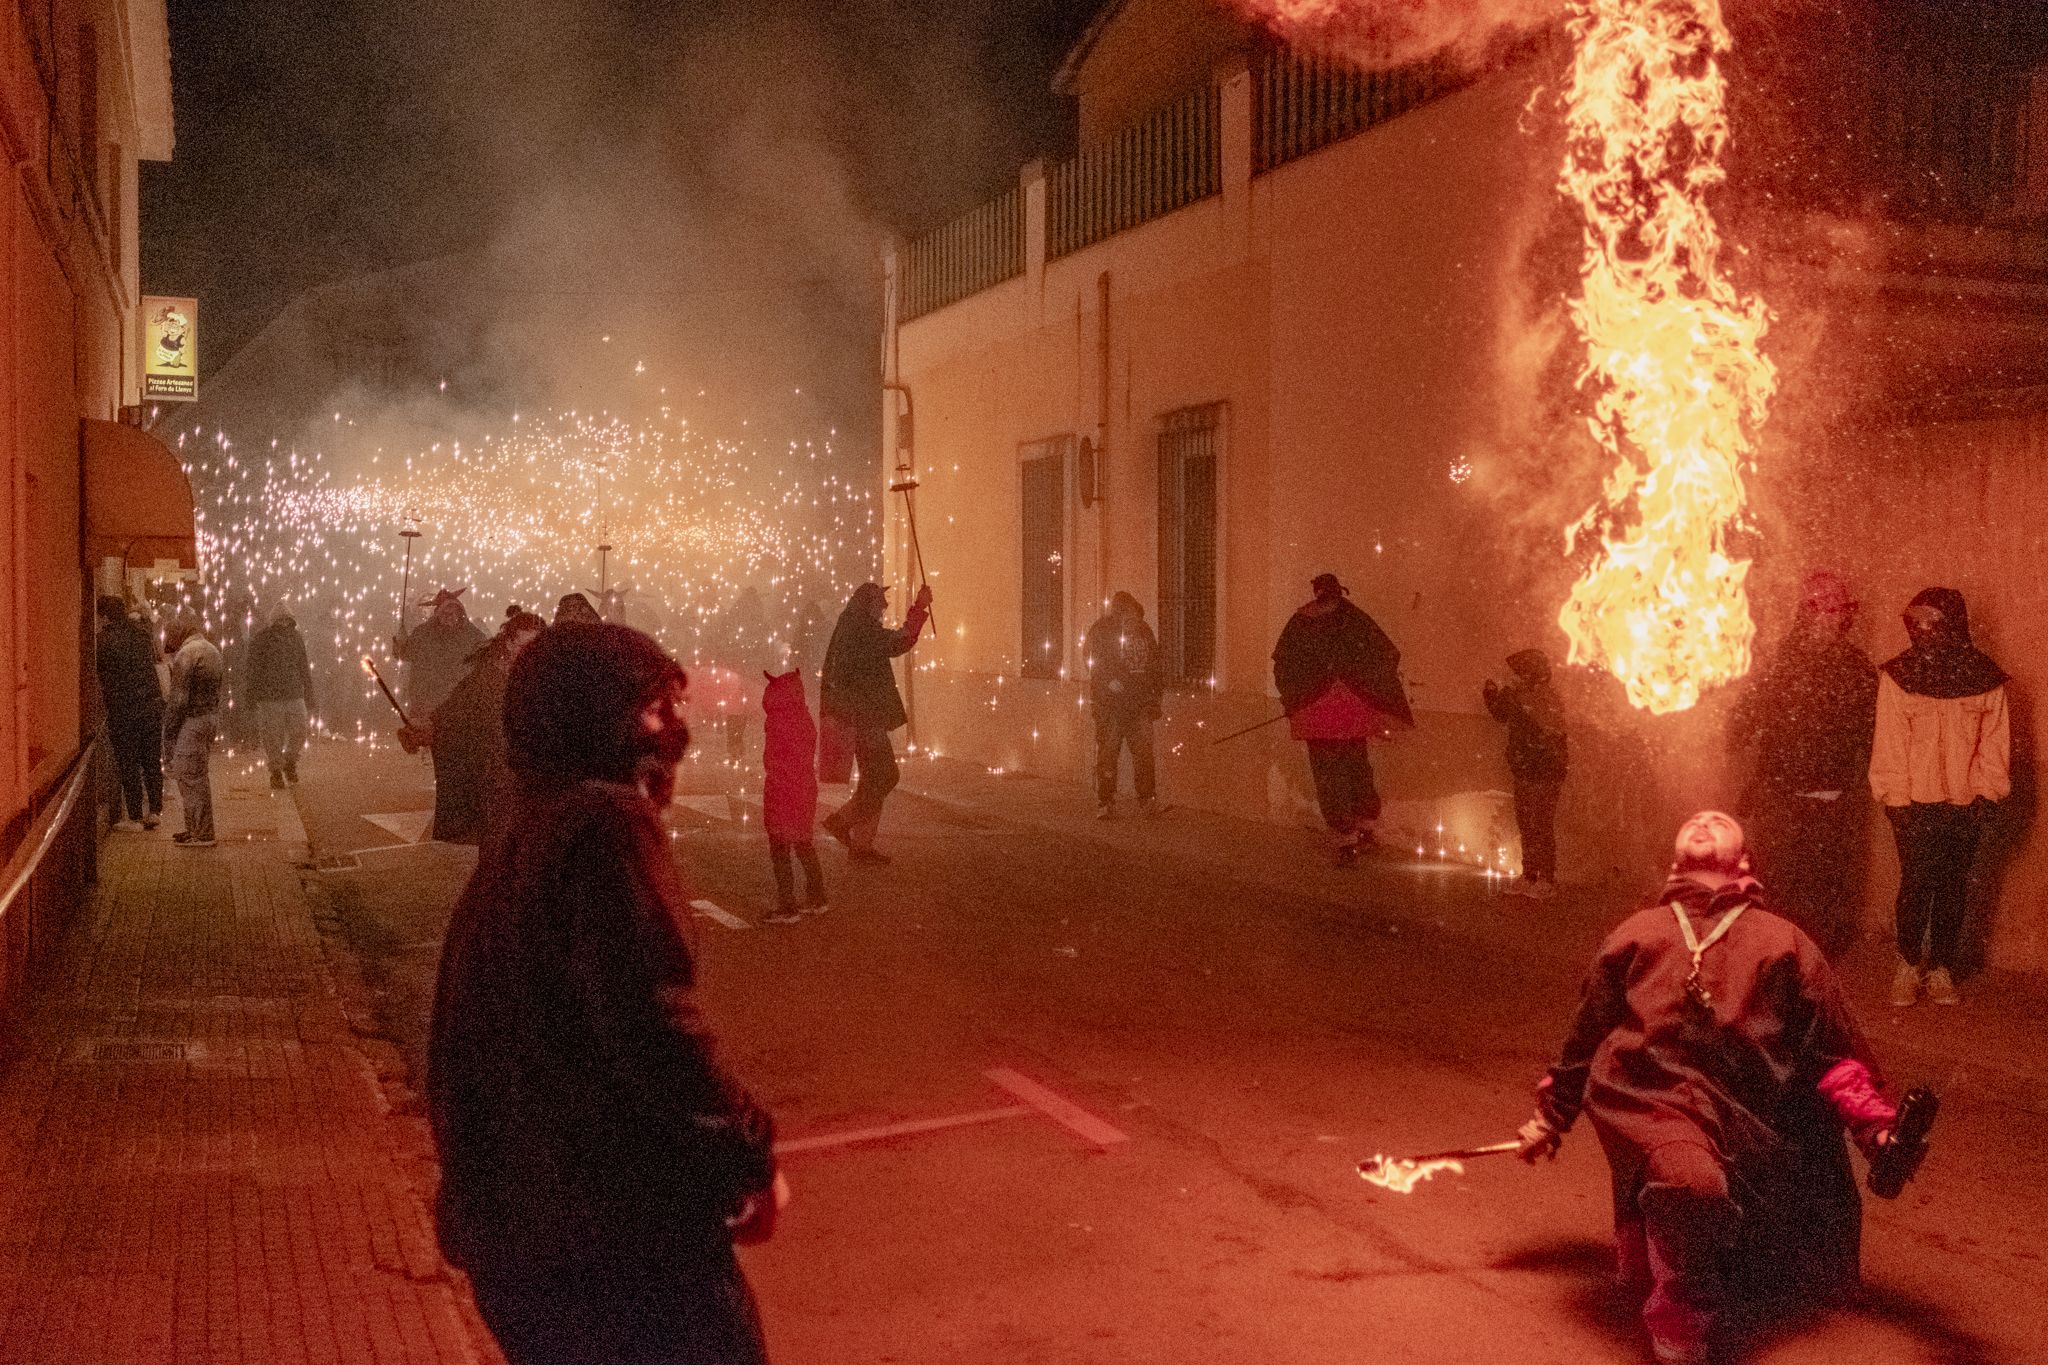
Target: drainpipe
(1101, 442)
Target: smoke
(1382, 33)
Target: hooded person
(124, 658)
(1538, 753)
(1124, 691)
(1940, 758)
(279, 684)
(192, 726)
(437, 654)
(1339, 678)
(575, 609)
(789, 794)
(472, 769)
(1720, 1065)
(859, 694)
(598, 1160)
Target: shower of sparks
(693, 523)
(1401, 1175)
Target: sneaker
(1347, 853)
(1147, 807)
(867, 855)
(291, 775)
(835, 827)
(1539, 890)
(183, 840)
(815, 907)
(1941, 987)
(1107, 811)
(150, 822)
(121, 826)
(276, 780)
(1906, 985)
(786, 914)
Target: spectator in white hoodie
(1941, 756)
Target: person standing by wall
(789, 795)
(1537, 756)
(1942, 755)
(1339, 677)
(1124, 690)
(1808, 718)
(134, 699)
(598, 1160)
(860, 694)
(191, 725)
(280, 687)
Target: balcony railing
(1304, 101)
(1165, 161)
(982, 247)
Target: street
(1123, 1073)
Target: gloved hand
(1539, 1139)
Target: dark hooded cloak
(1943, 663)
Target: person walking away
(1941, 756)
(472, 772)
(1720, 1065)
(280, 687)
(860, 694)
(789, 795)
(191, 725)
(1124, 691)
(1538, 753)
(598, 1160)
(125, 659)
(437, 655)
(1807, 720)
(1339, 678)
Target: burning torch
(1402, 1174)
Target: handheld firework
(1402, 1174)
(370, 667)
(906, 487)
(1898, 1159)
(1240, 734)
(410, 530)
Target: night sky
(320, 144)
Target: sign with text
(170, 349)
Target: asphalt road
(1213, 1053)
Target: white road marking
(725, 917)
(409, 825)
(904, 1129)
(1060, 1110)
(714, 807)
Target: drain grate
(140, 1052)
(338, 862)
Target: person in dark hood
(575, 609)
(125, 659)
(1807, 721)
(598, 1161)
(860, 694)
(280, 686)
(1537, 755)
(1339, 677)
(1124, 690)
(472, 771)
(437, 654)
(1941, 757)
(1720, 1065)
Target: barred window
(1043, 479)
(1187, 543)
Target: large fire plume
(1672, 353)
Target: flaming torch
(1672, 353)
(1402, 1174)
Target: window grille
(1043, 480)
(1187, 544)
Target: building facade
(1285, 314)
(85, 94)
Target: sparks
(1401, 1174)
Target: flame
(1402, 1174)
(1672, 351)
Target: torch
(1240, 734)
(1402, 1174)
(410, 530)
(370, 667)
(906, 487)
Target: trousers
(1536, 820)
(780, 855)
(1342, 769)
(1937, 844)
(1673, 1242)
(283, 727)
(137, 752)
(192, 768)
(1116, 730)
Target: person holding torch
(1720, 1065)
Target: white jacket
(1931, 750)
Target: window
(1187, 544)
(1043, 479)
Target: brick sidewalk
(195, 1161)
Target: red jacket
(789, 796)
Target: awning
(138, 503)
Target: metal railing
(1167, 160)
(1304, 101)
(982, 247)
(45, 879)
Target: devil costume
(1720, 1064)
(1339, 678)
(593, 1148)
(437, 655)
